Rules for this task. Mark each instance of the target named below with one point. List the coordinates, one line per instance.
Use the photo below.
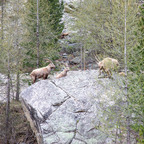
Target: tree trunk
(18, 57)
(81, 47)
(81, 58)
(126, 81)
(37, 33)
(2, 7)
(8, 104)
(84, 59)
(17, 86)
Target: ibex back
(42, 72)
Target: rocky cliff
(67, 110)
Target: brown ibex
(64, 72)
(42, 72)
(122, 74)
(63, 35)
(107, 65)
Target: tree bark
(84, 59)
(37, 33)
(18, 57)
(126, 81)
(17, 86)
(81, 58)
(8, 104)
(2, 7)
(81, 47)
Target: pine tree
(137, 80)
(11, 52)
(37, 33)
(50, 27)
(1, 25)
(110, 28)
(19, 52)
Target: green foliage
(101, 27)
(50, 27)
(140, 131)
(137, 81)
(12, 30)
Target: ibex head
(64, 72)
(51, 65)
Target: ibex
(64, 72)
(122, 74)
(107, 65)
(63, 35)
(42, 72)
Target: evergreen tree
(37, 33)
(11, 53)
(50, 27)
(109, 27)
(137, 80)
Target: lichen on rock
(67, 110)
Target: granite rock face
(66, 110)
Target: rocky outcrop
(24, 83)
(66, 110)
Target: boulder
(24, 79)
(66, 110)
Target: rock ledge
(66, 110)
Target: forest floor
(19, 128)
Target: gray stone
(77, 53)
(75, 60)
(92, 66)
(24, 79)
(64, 55)
(66, 110)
